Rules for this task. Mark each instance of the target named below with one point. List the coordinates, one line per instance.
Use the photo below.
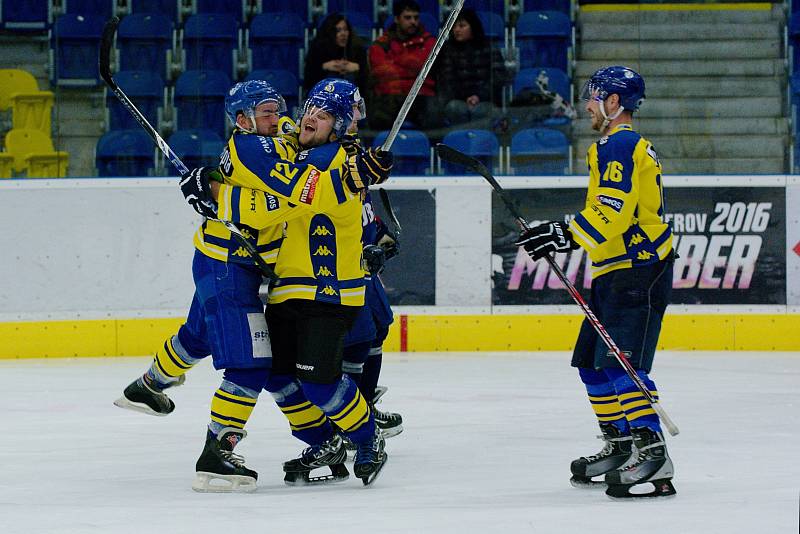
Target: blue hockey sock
(603, 398)
(372, 372)
(306, 420)
(637, 409)
(236, 397)
(344, 405)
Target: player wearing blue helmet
(629, 243)
(254, 107)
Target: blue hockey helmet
(245, 97)
(622, 81)
(333, 99)
(344, 87)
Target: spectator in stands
(336, 52)
(471, 73)
(395, 59)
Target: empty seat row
(534, 151)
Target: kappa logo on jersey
(324, 271)
(246, 233)
(635, 240)
(241, 252)
(323, 250)
(310, 187)
(644, 255)
(328, 290)
(272, 203)
(321, 230)
(611, 202)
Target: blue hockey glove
(373, 259)
(197, 191)
(546, 238)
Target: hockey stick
(106, 43)
(426, 68)
(387, 206)
(454, 156)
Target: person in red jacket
(395, 59)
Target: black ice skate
(219, 469)
(651, 466)
(143, 395)
(370, 458)
(331, 453)
(390, 423)
(616, 452)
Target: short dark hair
(401, 5)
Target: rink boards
(101, 267)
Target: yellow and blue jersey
(622, 224)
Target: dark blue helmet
(622, 81)
(333, 99)
(342, 86)
(244, 97)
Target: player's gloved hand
(373, 258)
(351, 144)
(366, 168)
(546, 238)
(387, 239)
(197, 191)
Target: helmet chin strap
(606, 119)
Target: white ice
(487, 445)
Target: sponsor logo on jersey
(611, 202)
(328, 290)
(600, 214)
(272, 203)
(324, 271)
(225, 162)
(644, 255)
(323, 250)
(321, 230)
(241, 252)
(310, 187)
(635, 240)
(266, 144)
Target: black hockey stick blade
(387, 206)
(452, 155)
(106, 45)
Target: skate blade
(587, 483)
(205, 482)
(392, 432)
(661, 489)
(369, 479)
(124, 403)
(339, 473)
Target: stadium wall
(101, 267)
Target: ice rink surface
(487, 445)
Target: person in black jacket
(336, 52)
(471, 72)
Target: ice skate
(331, 453)
(145, 396)
(219, 469)
(616, 453)
(380, 391)
(390, 423)
(652, 466)
(370, 458)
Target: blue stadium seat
(298, 7)
(348, 7)
(75, 43)
(145, 89)
(25, 15)
(276, 41)
(544, 39)
(230, 7)
(425, 6)
(481, 5)
(361, 23)
(428, 21)
(539, 151)
(125, 153)
(144, 39)
(493, 25)
(101, 8)
(283, 81)
(793, 30)
(557, 81)
(196, 148)
(412, 152)
(168, 8)
(480, 144)
(548, 5)
(210, 41)
(200, 100)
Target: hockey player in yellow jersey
(320, 284)
(629, 243)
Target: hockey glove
(387, 239)
(197, 191)
(373, 259)
(367, 168)
(546, 238)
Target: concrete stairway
(715, 85)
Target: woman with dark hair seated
(336, 52)
(471, 72)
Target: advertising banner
(410, 277)
(730, 243)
